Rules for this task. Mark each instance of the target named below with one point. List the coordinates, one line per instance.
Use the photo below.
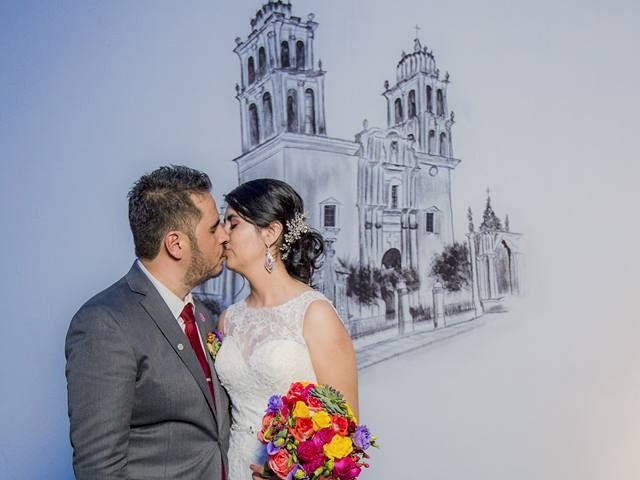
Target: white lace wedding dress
(262, 354)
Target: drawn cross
(417, 28)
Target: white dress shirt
(175, 304)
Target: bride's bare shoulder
(322, 320)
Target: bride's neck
(275, 288)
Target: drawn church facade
(381, 199)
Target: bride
(284, 331)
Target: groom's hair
(159, 202)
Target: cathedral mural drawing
(382, 200)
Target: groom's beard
(199, 271)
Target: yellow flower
(350, 413)
(320, 420)
(338, 447)
(301, 410)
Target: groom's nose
(223, 234)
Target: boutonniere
(214, 342)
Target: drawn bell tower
(417, 102)
(281, 90)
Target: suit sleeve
(101, 373)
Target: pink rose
(346, 469)
(280, 464)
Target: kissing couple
(161, 388)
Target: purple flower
(297, 473)
(272, 449)
(218, 335)
(362, 437)
(275, 404)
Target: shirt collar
(175, 303)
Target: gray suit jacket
(139, 404)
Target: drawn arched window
(398, 105)
(309, 112)
(251, 71)
(284, 54)
(411, 108)
(262, 62)
(440, 105)
(267, 113)
(429, 99)
(254, 128)
(432, 141)
(292, 111)
(443, 144)
(300, 55)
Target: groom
(144, 399)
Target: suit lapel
(160, 313)
(209, 325)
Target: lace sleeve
(228, 320)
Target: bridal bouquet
(311, 433)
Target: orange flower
(303, 429)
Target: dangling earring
(269, 261)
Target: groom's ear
(272, 232)
(174, 244)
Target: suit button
(180, 347)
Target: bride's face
(245, 247)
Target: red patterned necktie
(191, 331)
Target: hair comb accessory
(295, 229)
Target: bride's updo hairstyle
(267, 200)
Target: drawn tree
(370, 284)
(452, 267)
(361, 283)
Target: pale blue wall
(92, 94)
